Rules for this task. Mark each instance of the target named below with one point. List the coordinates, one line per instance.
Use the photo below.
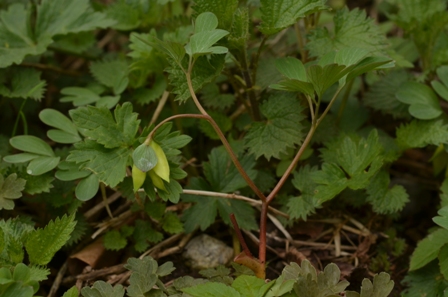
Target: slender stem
(329, 106)
(236, 197)
(263, 231)
(255, 110)
(254, 65)
(293, 163)
(25, 123)
(159, 107)
(240, 235)
(223, 139)
(344, 100)
(186, 115)
(104, 196)
(14, 129)
(303, 53)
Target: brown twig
(240, 235)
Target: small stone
(204, 252)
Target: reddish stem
(240, 235)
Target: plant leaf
(42, 244)
(211, 289)
(103, 289)
(100, 125)
(23, 83)
(223, 9)
(111, 73)
(281, 130)
(350, 27)
(10, 188)
(422, 133)
(428, 248)
(277, 15)
(423, 102)
(108, 164)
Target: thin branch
(159, 107)
(234, 196)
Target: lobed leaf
(428, 248)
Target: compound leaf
(281, 130)
(108, 164)
(99, 124)
(278, 14)
(42, 244)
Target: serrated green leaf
(37, 184)
(23, 83)
(422, 133)
(171, 223)
(428, 248)
(31, 144)
(248, 285)
(386, 199)
(223, 10)
(382, 286)
(423, 101)
(282, 129)
(113, 240)
(239, 31)
(111, 73)
(87, 188)
(277, 15)
(108, 164)
(211, 289)
(381, 94)
(79, 96)
(42, 244)
(145, 96)
(205, 70)
(100, 125)
(10, 188)
(103, 289)
(350, 27)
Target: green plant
(135, 92)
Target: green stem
(254, 108)
(20, 115)
(344, 100)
